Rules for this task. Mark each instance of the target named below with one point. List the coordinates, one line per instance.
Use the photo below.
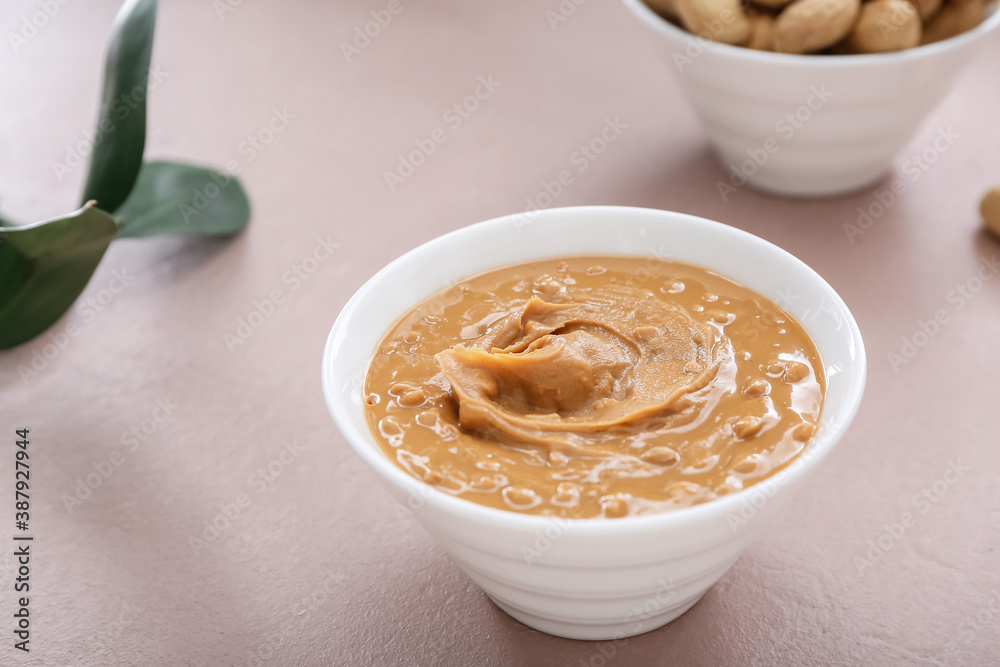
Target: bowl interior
(654, 234)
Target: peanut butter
(594, 387)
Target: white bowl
(593, 578)
(850, 114)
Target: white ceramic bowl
(811, 125)
(593, 578)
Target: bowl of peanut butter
(594, 410)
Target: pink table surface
(319, 568)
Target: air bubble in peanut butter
(557, 458)
(520, 497)
(614, 507)
(390, 429)
(795, 372)
(484, 483)
(412, 399)
(567, 495)
(804, 431)
(661, 456)
(747, 427)
(428, 418)
(594, 387)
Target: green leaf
(121, 124)
(172, 198)
(45, 266)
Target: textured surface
(320, 567)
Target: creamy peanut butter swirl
(553, 372)
(594, 387)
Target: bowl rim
(663, 26)
(364, 445)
